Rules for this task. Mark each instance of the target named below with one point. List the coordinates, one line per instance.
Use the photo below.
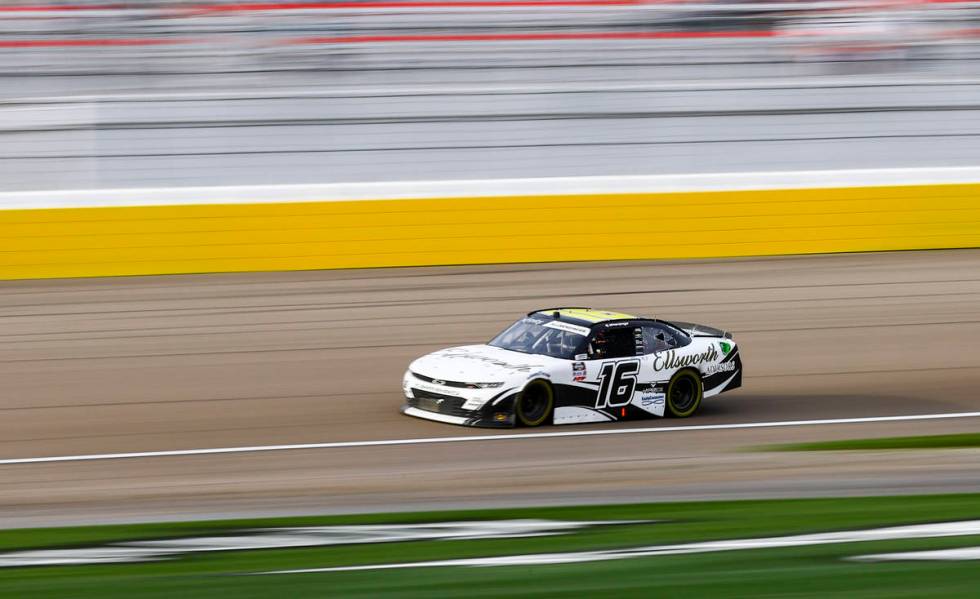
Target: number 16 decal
(618, 381)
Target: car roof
(587, 317)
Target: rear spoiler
(700, 330)
(550, 310)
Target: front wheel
(535, 403)
(684, 394)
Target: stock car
(574, 365)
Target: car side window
(615, 342)
(658, 338)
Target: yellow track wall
(80, 242)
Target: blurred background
(103, 94)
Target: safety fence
(93, 38)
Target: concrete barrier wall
(134, 232)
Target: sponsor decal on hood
(468, 354)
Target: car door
(615, 352)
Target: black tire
(535, 403)
(684, 394)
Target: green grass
(925, 442)
(816, 571)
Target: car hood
(480, 364)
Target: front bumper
(448, 409)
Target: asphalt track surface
(202, 361)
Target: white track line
(509, 437)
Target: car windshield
(543, 336)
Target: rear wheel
(684, 394)
(534, 405)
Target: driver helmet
(599, 346)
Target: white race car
(570, 365)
